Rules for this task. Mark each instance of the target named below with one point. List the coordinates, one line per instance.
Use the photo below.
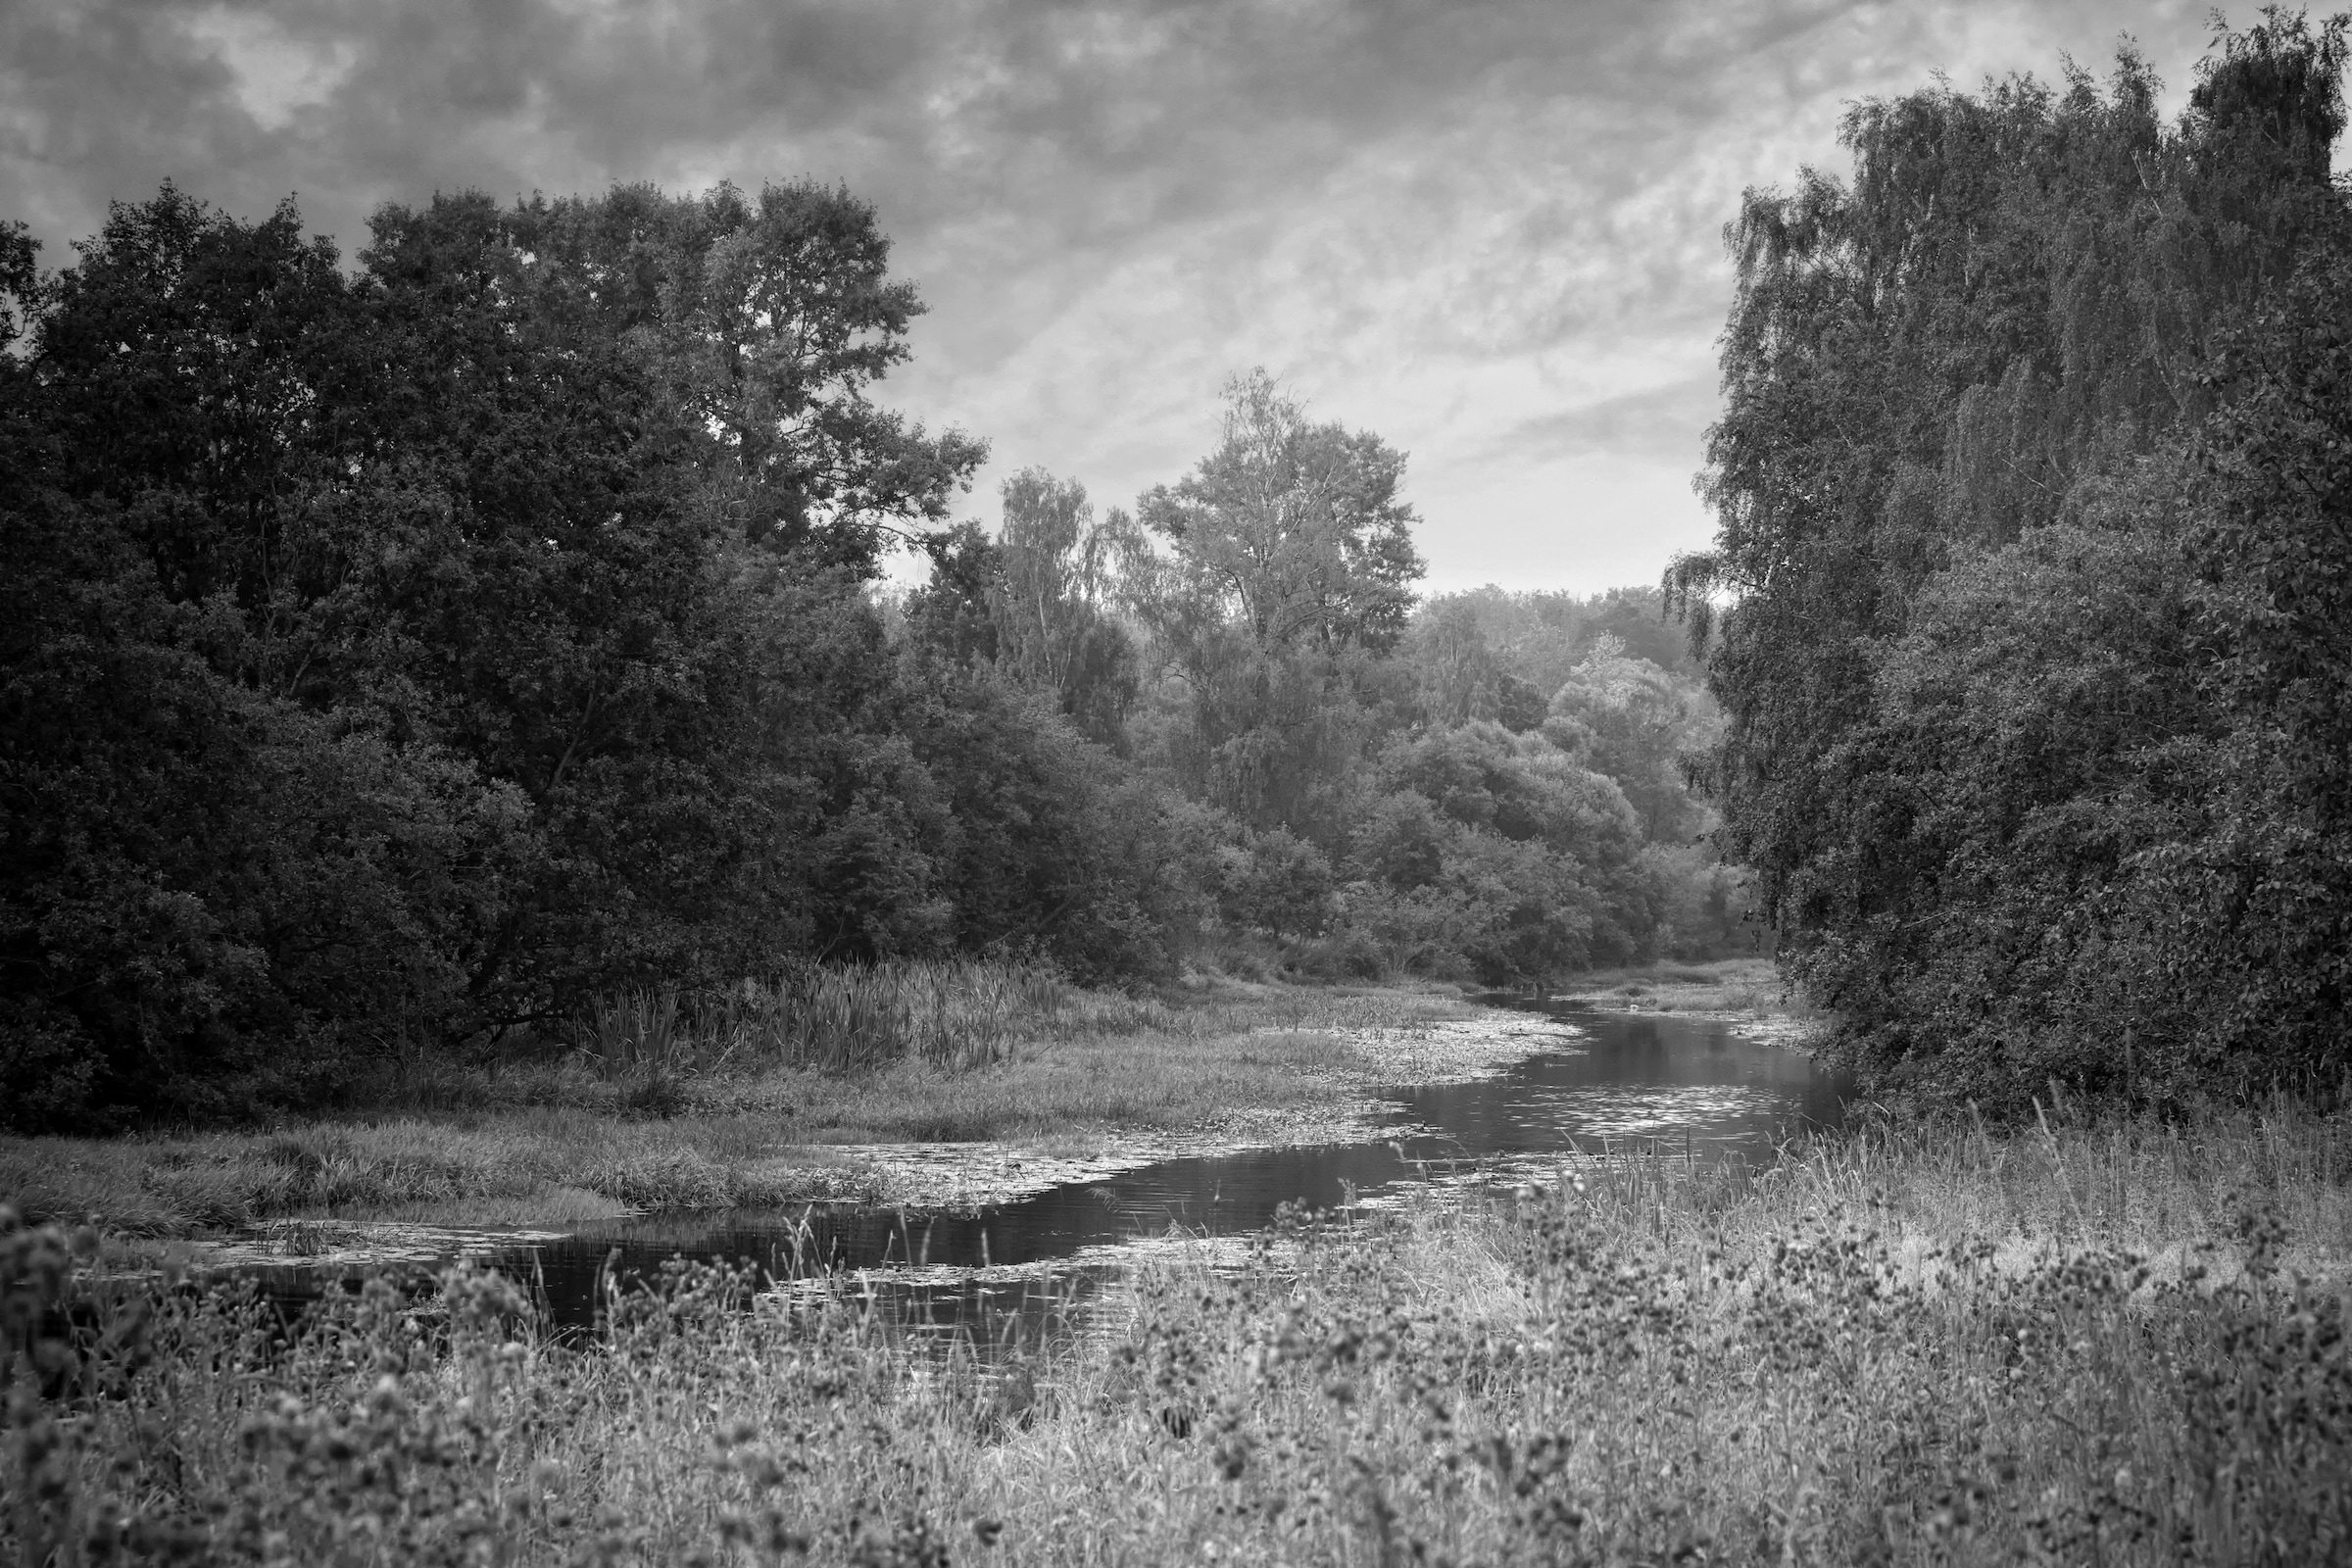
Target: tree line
(395, 657)
(2028, 610)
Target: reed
(957, 1015)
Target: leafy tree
(955, 613)
(226, 859)
(1276, 883)
(410, 654)
(1539, 638)
(1627, 718)
(1288, 572)
(1051, 605)
(769, 319)
(2272, 552)
(1461, 674)
(2040, 735)
(1969, 716)
(1293, 531)
(1030, 604)
(1543, 854)
(546, 599)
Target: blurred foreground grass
(2117, 1343)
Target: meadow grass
(2112, 1342)
(671, 1112)
(532, 1165)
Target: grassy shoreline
(570, 1141)
(2118, 1342)
(575, 1140)
(1724, 988)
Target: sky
(1489, 232)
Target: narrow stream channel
(1653, 1081)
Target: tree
(1540, 858)
(408, 655)
(1461, 677)
(1950, 630)
(2272, 553)
(1292, 531)
(1052, 608)
(1627, 718)
(231, 857)
(770, 320)
(1288, 575)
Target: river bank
(2118, 1342)
(1746, 992)
(477, 1161)
(1107, 1084)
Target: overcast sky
(1487, 231)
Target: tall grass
(696, 1105)
(534, 1166)
(1914, 1348)
(951, 1014)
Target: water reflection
(1672, 1084)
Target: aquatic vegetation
(694, 1107)
(527, 1164)
(2106, 1342)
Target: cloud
(1487, 228)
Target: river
(1680, 1087)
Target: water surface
(1676, 1086)
(1651, 1081)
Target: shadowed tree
(770, 319)
(1963, 693)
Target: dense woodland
(398, 657)
(2033, 599)
(401, 657)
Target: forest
(2032, 603)
(409, 656)
(404, 656)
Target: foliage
(400, 657)
(2272, 552)
(1470, 642)
(1627, 718)
(1295, 530)
(1051, 605)
(1287, 574)
(1288, 696)
(768, 318)
(2000, 415)
(1278, 883)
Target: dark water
(1676, 1086)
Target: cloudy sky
(1486, 230)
